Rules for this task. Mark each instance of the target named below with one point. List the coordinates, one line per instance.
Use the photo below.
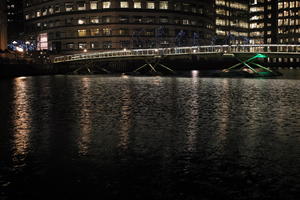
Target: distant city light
(20, 49)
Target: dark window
(106, 19)
(164, 20)
(138, 19)
(107, 44)
(123, 19)
(70, 46)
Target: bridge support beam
(248, 62)
(91, 68)
(153, 64)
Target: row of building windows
(120, 19)
(232, 4)
(134, 19)
(108, 44)
(235, 33)
(289, 4)
(232, 23)
(94, 5)
(122, 32)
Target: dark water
(150, 137)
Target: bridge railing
(180, 51)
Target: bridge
(245, 54)
(279, 50)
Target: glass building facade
(87, 25)
(275, 22)
(232, 21)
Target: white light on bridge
(195, 73)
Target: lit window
(163, 5)
(69, 7)
(95, 32)
(42, 41)
(70, 45)
(51, 10)
(82, 33)
(94, 20)
(82, 45)
(106, 31)
(185, 22)
(150, 5)
(38, 13)
(94, 5)
(106, 4)
(94, 45)
(137, 5)
(81, 5)
(124, 4)
(123, 31)
(81, 21)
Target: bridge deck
(271, 50)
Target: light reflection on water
(126, 118)
(85, 116)
(21, 121)
(129, 133)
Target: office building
(87, 25)
(275, 22)
(232, 21)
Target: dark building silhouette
(3, 26)
(15, 20)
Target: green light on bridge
(260, 56)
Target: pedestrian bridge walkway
(282, 50)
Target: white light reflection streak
(125, 118)
(194, 113)
(21, 120)
(85, 117)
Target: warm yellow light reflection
(21, 119)
(225, 112)
(85, 118)
(194, 114)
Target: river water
(120, 137)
